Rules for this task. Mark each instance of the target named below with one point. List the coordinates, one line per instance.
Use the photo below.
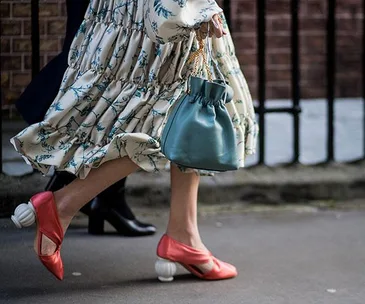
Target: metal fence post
(295, 77)
(331, 76)
(1, 135)
(363, 72)
(35, 37)
(227, 12)
(261, 60)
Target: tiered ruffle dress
(127, 67)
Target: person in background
(110, 205)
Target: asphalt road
(282, 258)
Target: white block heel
(24, 215)
(165, 270)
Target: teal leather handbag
(199, 133)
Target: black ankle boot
(110, 206)
(124, 226)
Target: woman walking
(128, 65)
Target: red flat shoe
(171, 251)
(42, 209)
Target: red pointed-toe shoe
(42, 209)
(170, 251)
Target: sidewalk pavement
(297, 257)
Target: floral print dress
(127, 67)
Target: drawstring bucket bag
(199, 133)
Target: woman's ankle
(187, 237)
(64, 213)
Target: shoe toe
(222, 271)
(231, 270)
(54, 264)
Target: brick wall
(313, 15)
(16, 44)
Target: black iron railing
(262, 110)
(295, 77)
(35, 37)
(1, 139)
(331, 77)
(363, 69)
(295, 110)
(261, 61)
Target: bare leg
(183, 225)
(70, 199)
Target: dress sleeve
(173, 20)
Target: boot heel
(24, 215)
(165, 270)
(96, 224)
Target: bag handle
(195, 56)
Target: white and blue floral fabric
(127, 67)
